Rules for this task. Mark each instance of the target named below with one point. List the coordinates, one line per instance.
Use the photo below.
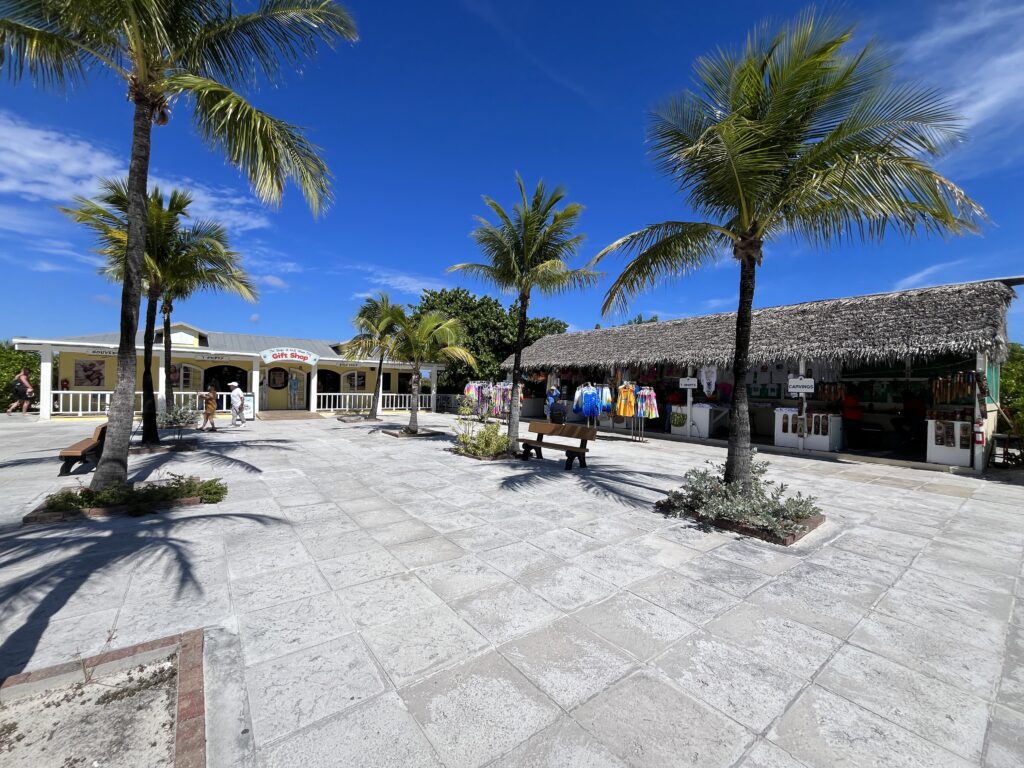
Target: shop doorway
(219, 376)
(328, 381)
(285, 389)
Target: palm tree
(163, 51)
(173, 254)
(376, 324)
(427, 338)
(793, 135)
(201, 261)
(528, 251)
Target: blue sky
(442, 102)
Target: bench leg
(569, 459)
(583, 460)
(539, 452)
(525, 455)
(67, 466)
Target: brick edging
(190, 718)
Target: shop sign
(282, 355)
(102, 352)
(688, 383)
(802, 385)
(249, 405)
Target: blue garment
(591, 406)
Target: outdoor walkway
(374, 601)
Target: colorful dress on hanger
(647, 404)
(625, 406)
(591, 402)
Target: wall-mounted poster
(90, 373)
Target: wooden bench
(89, 449)
(543, 429)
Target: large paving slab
(379, 602)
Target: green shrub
(678, 419)
(708, 498)
(139, 499)
(486, 442)
(178, 417)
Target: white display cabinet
(950, 442)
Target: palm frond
(269, 151)
(662, 252)
(240, 48)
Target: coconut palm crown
(529, 250)
(178, 261)
(427, 338)
(376, 324)
(794, 134)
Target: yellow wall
(108, 367)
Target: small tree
(793, 136)
(376, 324)
(526, 251)
(427, 338)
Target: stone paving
(382, 602)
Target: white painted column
(161, 389)
(433, 389)
(255, 386)
(978, 451)
(312, 390)
(45, 382)
(689, 404)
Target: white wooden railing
(67, 403)
(343, 401)
(192, 399)
(361, 401)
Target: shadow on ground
(71, 555)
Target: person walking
(237, 404)
(23, 392)
(209, 408)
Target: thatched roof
(952, 319)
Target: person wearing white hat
(237, 404)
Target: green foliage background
(12, 361)
(1011, 386)
(490, 333)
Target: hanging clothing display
(606, 399)
(647, 403)
(625, 405)
(588, 401)
(708, 377)
(491, 399)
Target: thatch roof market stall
(908, 361)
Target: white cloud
(270, 281)
(254, 317)
(102, 298)
(395, 280)
(45, 165)
(924, 276)
(721, 302)
(363, 295)
(974, 51)
(260, 257)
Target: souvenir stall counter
(950, 440)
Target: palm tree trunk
(414, 408)
(517, 365)
(740, 456)
(113, 465)
(377, 389)
(150, 433)
(167, 308)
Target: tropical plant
(792, 135)
(177, 260)
(526, 251)
(164, 51)
(490, 333)
(1011, 389)
(11, 362)
(376, 324)
(427, 338)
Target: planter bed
(42, 515)
(502, 457)
(184, 445)
(809, 524)
(421, 433)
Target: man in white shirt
(237, 404)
